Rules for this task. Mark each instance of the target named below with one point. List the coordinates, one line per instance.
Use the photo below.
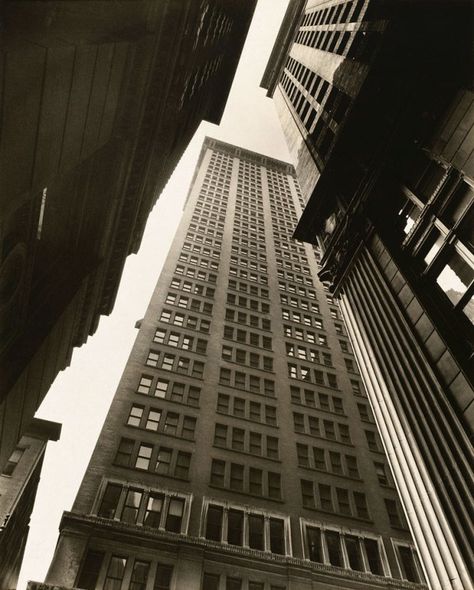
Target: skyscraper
(107, 95)
(390, 202)
(240, 451)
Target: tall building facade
(240, 451)
(107, 96)
(391, 207)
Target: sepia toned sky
(81, 395)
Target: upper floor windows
(156, 508)
(236, 525)
(245, 479)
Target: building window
(131, 506)
(90, 570)
(246, 528)
(408, 562)
(139, 577)
(110, 500)
(355, 550)
(115, 573)
(124, 452)
(163, 577)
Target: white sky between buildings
(81, 395)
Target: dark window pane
(256, 531)
(373, 556)
(333, 541)
(354, 553)
(407, 561)
(235, 527)
(175, 515)
(214, 523)
(277, 536)
(110, 500)
(153, 510)
(210, 582)
(139, 575)
(115, 573)
(315, 552)
(163, 577)
(90, 570)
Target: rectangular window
(175, 515)
(236, 477)
(277, 536)
(315, 550)
(90, 570)
(110, 500)
(124, 452)
(183, 461)
(333, 542)
(163, 461)
(143, 456)
(235, 525)
(131, 506)
(115, 573)
(217, 472)
(163, 577)
(153, 510)
(139, 578)
(214, 522)
(274, 485)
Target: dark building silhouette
(390, 190)
(99, 101)
(18, 484)
(240, 451)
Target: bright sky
(81, 395)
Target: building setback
(18, 485)
(390, 192)
(99, 101)
(240, 451)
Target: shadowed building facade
(18, 485)
(390, 194)
(99, 101)
(240, 452)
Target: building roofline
(290, 22)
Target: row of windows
(312, 375)
(339, 13)
(297, 289)
(320, 428)
(245, 479)
(158, 459)
(245, 337)
(252, 264)
(243, 357)
(246, 381)
(293, 266)
(164, 422)
(180, 340)
(334, 499)
(173, 391)
(242, 273)
(248, 288)
(302, 318)
(305, 335)
(193, 287)
(238, 526)
(243, 301)
(208, 222)
(242, 318)
(202, 249)
(198, 261)
(290, 255)
(158, 508)
(108, 572)
(327, 460)
(189, 303)
(254, 244)
(191, 322)
(246, 441)
(177, 364)
(308, 354)
(313, 399)
(242, 251)
(208, 231)
(240, 227)
(195, 273)
(294, 278)
(246, 409)
(239, 234)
